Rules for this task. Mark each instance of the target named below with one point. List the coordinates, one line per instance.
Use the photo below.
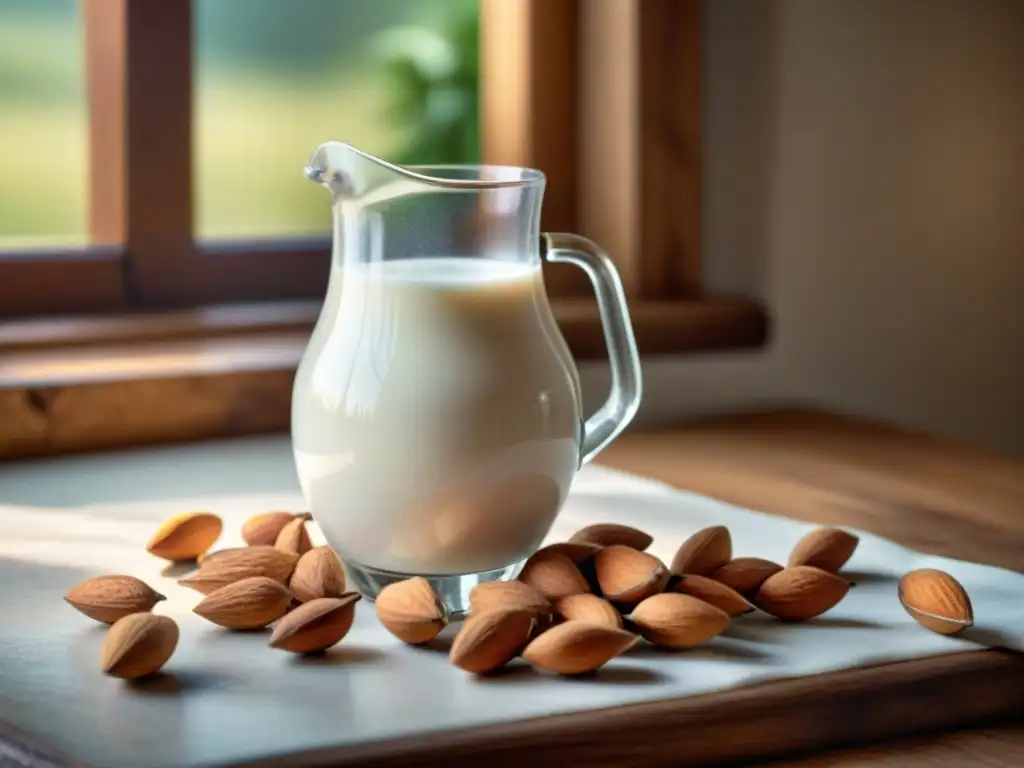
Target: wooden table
(934, 495)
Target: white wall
(864, 174)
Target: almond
(672, 620)
(232, 565)
(294, 537)
(138, 644)
(825, 548)
(589, 609)
(411, 610)
(610, 534)
(316, 625)
(553, 575)
(490, 639)
(627, 576)
(705, 551)
(800, 592)
(500, 595)
(251, 603)
(936, 600)
(714, 593)
(185, 536)
(576, 647)
(109, 598)
(746, 574)
(262, 529)
(318, 573)
(577, 551)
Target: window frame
(603, 97)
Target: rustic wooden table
(934, 495)
(930, 494)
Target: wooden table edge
(748, 722)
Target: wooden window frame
(603, 97)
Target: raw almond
(294, 538)
(553, 575)
(500, 595)
(627, 576)
(185, 536)
(138, 644)
(936, 600)
(825, 548)
(109, 598)
(251, 603)
(704, 552)
(672, 620)
(411, 610)
(315, 625)
(232, 565)
(318, 573)
(576, 647)
(746, 574)
(490, 639)
(714, 593)
(262, 529)
(577, 551)
(589, 609)
(800, 592)
(609, 534)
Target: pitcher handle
(624, 399)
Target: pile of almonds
(578, 604)
(575, 606)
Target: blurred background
(272, 80)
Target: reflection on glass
(274, 80)
(43, 124)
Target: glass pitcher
(437, 417)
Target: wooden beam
(139, 63)
(639, 141)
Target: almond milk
(436, 415)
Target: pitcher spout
(352, 173)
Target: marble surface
(228, 698)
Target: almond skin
(262, 529)
(109, 598)
(746, 574)
(232, 565)
(611, 534)
(251, 603)
(294, 538)
(824, 548)
(589, 609)
(501, 595)
(489, 640)
(185, 536)
(672, 620)
(318, 573)
(936, 601)
(714, 593)
(704, 552)
(577, 551)
(553, 575)
(315, 625)
(800, 593)
(411, 610)
(627, 576)
(576, 647)
(138, 644)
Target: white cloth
(372, 687)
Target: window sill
(110, 382)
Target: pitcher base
(453, 589)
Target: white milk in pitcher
(436, 415)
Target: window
(177, 213)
